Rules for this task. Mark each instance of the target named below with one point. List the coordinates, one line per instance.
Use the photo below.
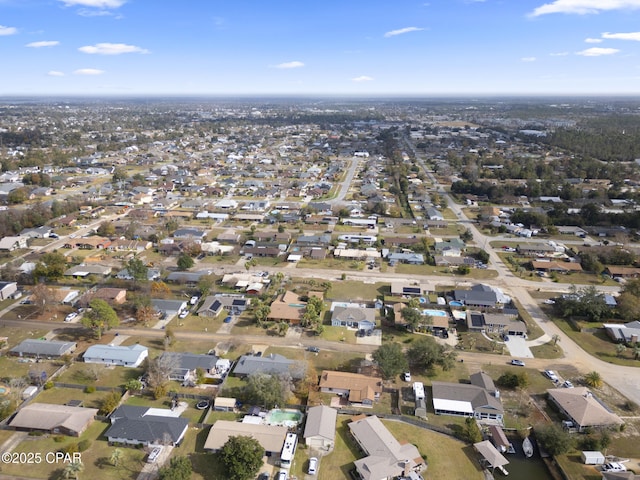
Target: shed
(224, 404)
(590, 457)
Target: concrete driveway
(518, 347)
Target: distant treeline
(14, 221)
(611, 138)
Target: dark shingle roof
(133, 423)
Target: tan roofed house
(582, 408)
(288, 308)
(359, 389)
(53, 418)
(320, 428)
(270, 437)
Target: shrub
(89, 389)
(48, 385)
(59, 438)
(84, 445)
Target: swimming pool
(288, 418)
(435, 313)
(455, 303)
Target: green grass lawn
(446, 457)
(338, 334)
(61, 396)
(96, 459)
(82, 373)
(547, 350)
(346, 290)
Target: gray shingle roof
(133, 423)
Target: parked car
(551, 375)
(194, 300)
(313, 349)
(614, 467)
(313, 466)
(517, 363)
(282, 475)
(406, 376)
(567, 384)
(70, 317)
(183, 314)
(155, 453)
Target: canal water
(523, 468)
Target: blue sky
(329, 47)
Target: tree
(391, 359)
(264, 390)
(425, 353)
(73, 469)
(133, 385)
(42, 296)
(100, 317)
(513, 380)
(51, 266)
(115, 457)
(205, 284)
(282, 328)
(411, 316)
(160, 289)
(554, 439)
(110, 402)
(472, 432)
(179, 468)
(106, 229)
(463, 270)
(169, 337)
(158, 370)
(555, 338)
(261, 311)
(137, 269)
(145, 314)
(185, 262)
(241, 457)
(620, 349)
(593, 379)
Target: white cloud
(86, 12)
(288, 65)
(402, 31)
(88, 71)
(528, 59)
(362, 78)
(94, 3)
(111, 49)
(593, 40)
(622, 36)
(7, 30)
(559, 54)
(44, 43)
(597, 52)
(55, 73)
(584, 7)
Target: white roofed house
(126, 356)
(386, 458)
(320, 429)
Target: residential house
(126, 356)
(192, 234)
(233, 303)
(184, 365)
(113, 296)
(224, 404)
(354, 317)
(88, 243)
(153, 274)
(401, 288)
(405, 257)
(38, 232)
(187, 277)
(64, 295)
(582, 408)
(358, 389)
(211, 307)
(555, 266)
(83, 270)
(434, 214)
(8, 290)
(133, 425)
(168, 307)
(616, 271)
(452, 247)
(270, 437)
(43, 348)
(479, 399)
(53, 419)
(320, 428)
(288, 308)
(624, 333)
(536, 249)
(386, 459)
(482, 296)
(9, 244)
(496, 323)
(273, 364)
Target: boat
(511, 448)
(527, 446)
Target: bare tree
(42, 296)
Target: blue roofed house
(184, 365)
(354, 317)
(133, 425)
(125, 356)
(273, 364)
(410, 258)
